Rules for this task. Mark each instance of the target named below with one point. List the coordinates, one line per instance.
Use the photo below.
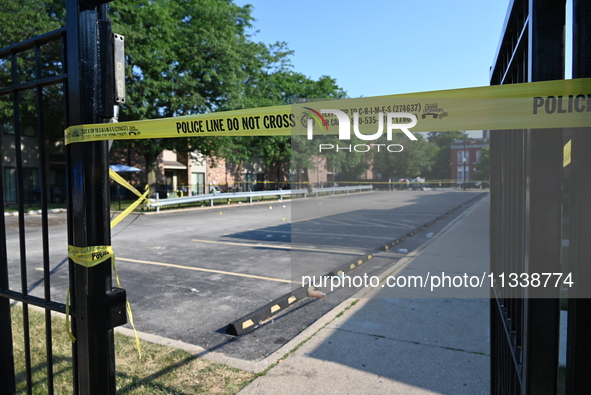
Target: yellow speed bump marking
(246, 324)
(200, 269)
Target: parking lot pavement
(189, 273)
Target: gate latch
(116, 302)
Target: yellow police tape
(90, 257)
(121, 181)
(547, 104)
(567, 154)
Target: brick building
(465, 154)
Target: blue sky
(386, 47)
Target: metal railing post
(7, 379)
(544, 157)
(578, 360)
(88, 198)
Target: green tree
(184, 57)
(20, 21)
(441, 168)
(23, 20)
(483, 165)
(416, 159)
(281, 87)
(194, 56)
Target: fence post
(7, 379)
(578, 362)
(88, 196)
(544, 217)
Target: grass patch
(162, 370)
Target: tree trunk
(152, 173)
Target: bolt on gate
(51, 81)
(531, 188)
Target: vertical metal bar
(44, 220)
(495, 357)
(578, 363)
(7, 378)
(70, 48)
(21, 224)
(543, 230)
(88, 202)
(543, 204)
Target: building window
(31, 192)
(463, 177)
(478, 156)
(10, 185)
(197, 183)
(461, 157)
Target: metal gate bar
(90, 100)
(86, 74)
(578, 362)
(7, 381)
(526, 171)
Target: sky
(386, 47)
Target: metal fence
(47, 83)
(527, 205)
(33, 76)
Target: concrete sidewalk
(383, 342)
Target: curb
(386, 247)
(260, 315)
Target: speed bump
(394, 243)
(350, 266)
(251, 320)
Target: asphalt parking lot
(189, 273)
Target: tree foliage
(282, 88)
(416, 158)
(483, 165)
(194, 56)
(183, 57)
(441, 168)
(23, 20)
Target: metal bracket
(119, 67)
(116, 302)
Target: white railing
(346, 189)
(157, 203)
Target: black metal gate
(527, 205)
(47, 83)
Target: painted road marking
(200, 269)
(297, 233)
(280, 247)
